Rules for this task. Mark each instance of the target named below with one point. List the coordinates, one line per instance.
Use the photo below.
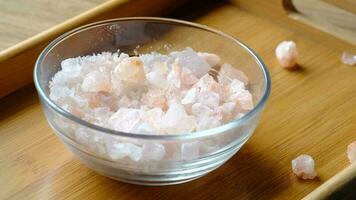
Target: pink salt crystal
(160, 67)
(348, 59)
(174, 75)
(287, 53)
(130, 70)
(157, 80)
(155, 98)
(188, 77)
(207, 122)
(102, 114)
(351, 152)
(207, 83)
(153, 151)
(243, 98)
(157, 77)
(210, 58)
(190, 150)
(119, 151)
(153, 118)
(96, 82)
(228, 73)
(201, 110)
(103, 99)
(209, 98)
(176, 120)
(303, 167)
(190, 97)
(226, 111)
(125, 119)
(125, 102)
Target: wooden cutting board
(311, 110)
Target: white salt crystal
(157, 80)
(303, 167)
(190, 150)
(210, 58)
(351, 152)
(154, 119)
(130, 70)
(117, 151)
(153, 151)
(228, 73)
(190, 59)
(82, 136)
(97, 144)
(187, 77)
(201, 110)
(176, 120)
(155, 98)
(208, 122)
(209, 98)
(125, 119)
(96, 82)
(190, 97)
(287, 53)
(348, 59)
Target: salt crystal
(154, 118)
(119, 151)
(212, 59)
(303, 167)
(153, 151)
(208, 122)
(190, 97)
(287, 53)
(187, 77)
(130, 70)
(190, 59)
(125, 119)
(348, 59)
(351, 152)
(82, 136)
(97, 144)
(174, 75)
(176, 120)
(207, 83)
(200, 110)
(243, 98)
(155, 98)
(96, 82)
(209, 98)
(157, 80)
(190, 150)
(228, 73)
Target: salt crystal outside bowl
(150, 159)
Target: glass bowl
(153, 159)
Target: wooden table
(311, 110)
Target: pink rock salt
(303, 167)
(351, 152)
(152, 93)
(287, 53)
(155, 98)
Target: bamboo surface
(311, 111)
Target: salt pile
(152, 94)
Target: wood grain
(17, 62)
(310, 110)
(22, 19)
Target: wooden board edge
(333, 184)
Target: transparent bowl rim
(182, 136)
